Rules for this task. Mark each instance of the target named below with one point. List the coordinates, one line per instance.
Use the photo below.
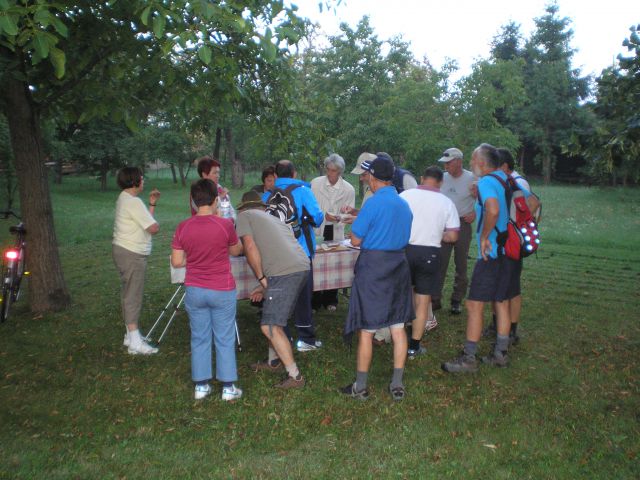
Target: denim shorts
(495, 280)
(424, 263)
(281, 296)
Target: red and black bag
(522, 237)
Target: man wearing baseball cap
(457, 184)
(381, 290)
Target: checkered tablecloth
(332, 269)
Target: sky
(463, 29)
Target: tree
(554, 89)
(90, 59)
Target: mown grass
(73, 404)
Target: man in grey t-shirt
(282, 269)
(458, 185)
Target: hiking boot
(351, 391)
(397, 393)
(497, 359)
(275, 365)
(431, 324)
(456, 308)
(462, 364)
(490, 331)
(412, 354)
(290, 382)
(231, 393)
(202, 391)
(514, 339)
(303, 346)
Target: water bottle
(225, 207)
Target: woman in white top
(333, 193)
(132, 231)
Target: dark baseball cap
(381, 167)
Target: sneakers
(397, 393)
(290, 382)
(497, 359)
(202, 391)
(275, 366)
(231, 393)
(412, 354)
(431, 324)
(303, 346)
(350, 390)
(463, 364)
(141, 348)
(456, 308)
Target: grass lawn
(74, 404)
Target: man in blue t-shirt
(494, 274)
(381, 289)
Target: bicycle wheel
(17, 277)
(7, 288)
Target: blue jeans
(212, 316)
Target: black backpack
(398, 176)
(281, 205)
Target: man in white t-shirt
(435, 220)
(458, 185)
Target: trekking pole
(175, 311)
(148, 336)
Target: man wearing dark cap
(282, 270)
(381, 290)
(458, 185)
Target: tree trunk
(216, 146)
(47, 288)
(183, 177)
(173, 173)
(232, 159)
(104, 171)
(546, 168)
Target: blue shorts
(495, 280)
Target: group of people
(405, 231)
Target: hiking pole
(148, 336)
(238, 335)
(172, 317)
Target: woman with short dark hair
(133, 229)
(203, 244)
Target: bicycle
(13, 267)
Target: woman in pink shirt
(203, 244)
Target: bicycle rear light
(11, 254)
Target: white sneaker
(231, 393)
(142, 348)
(431, 324)
(303, 346)
(202, 391)
(332, 308)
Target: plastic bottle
(225, 207)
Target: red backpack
(522, 237)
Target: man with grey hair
(332, 193)
(457, 184)
(494, 275)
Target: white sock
(135, 338)
(292, 370)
